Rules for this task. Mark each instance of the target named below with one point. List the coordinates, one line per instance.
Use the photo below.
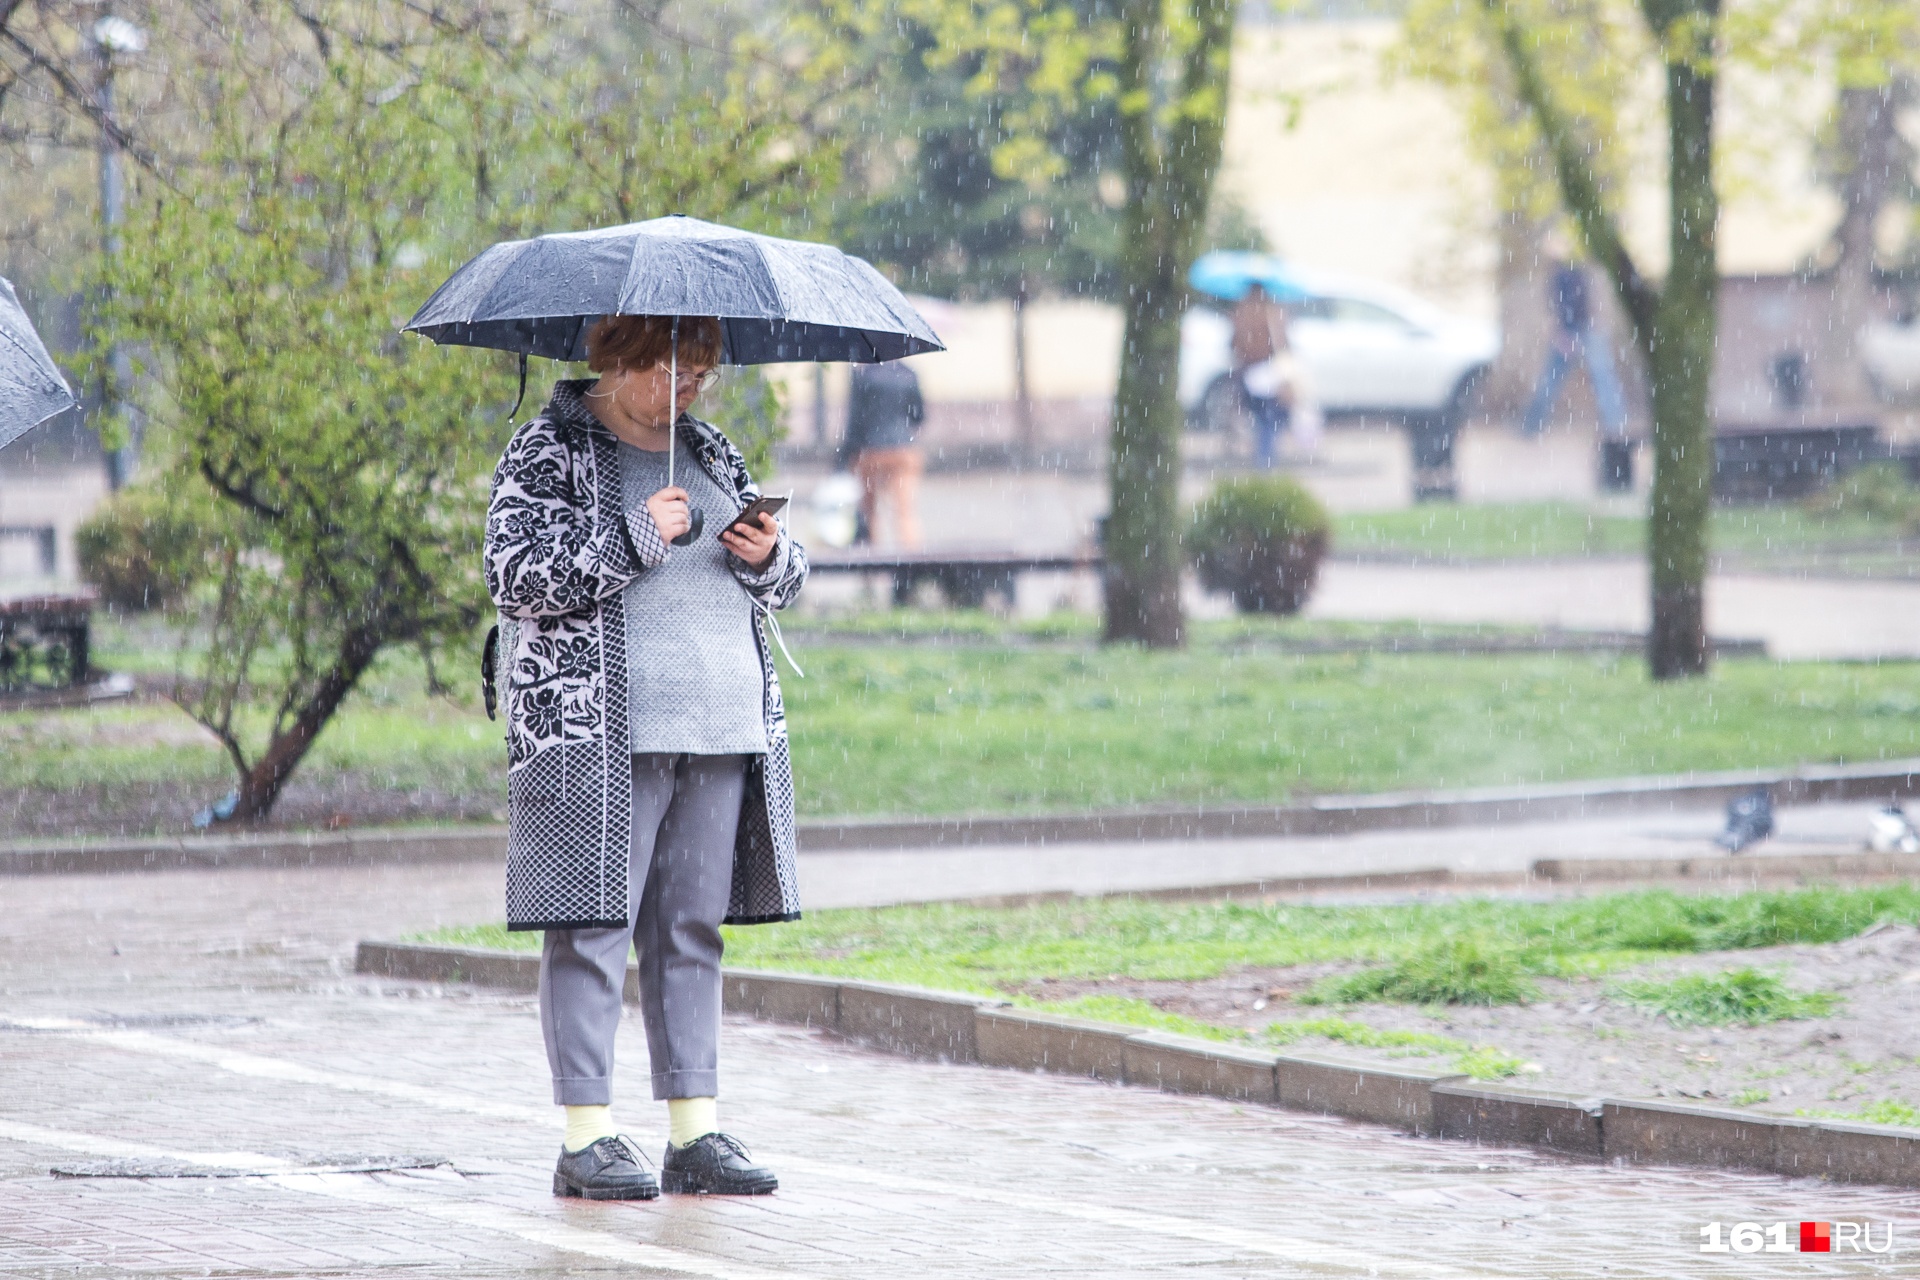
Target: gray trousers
(685, 812)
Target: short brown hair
(640, 342)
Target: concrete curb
(1326, 816)
(950, 1027)
(1722, 868)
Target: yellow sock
(587, 1125)
(691, 1119)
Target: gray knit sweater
(693, 678)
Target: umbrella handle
(697, 517)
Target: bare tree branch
(76, 93)
(1579, 186)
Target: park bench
(1767, 461)
(965, 577)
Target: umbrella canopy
(777, 300)
(1229, 273)
(31, 388)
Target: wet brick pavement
(210, 1020)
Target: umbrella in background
(1229, 273)
(31, 388)
(777, 300)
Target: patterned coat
(559, 550)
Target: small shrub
(1484, 1062)
(1732, 995)
(1773, 919)
(1260, 540)
(1880, 493)
(1749, 1097)
(142, 549)
(1460, 971)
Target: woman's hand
(669, 511)
(755, 546)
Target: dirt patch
(1579, 1037)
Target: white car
(1370, 348)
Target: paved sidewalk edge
(1326, 816)
(950, 1027)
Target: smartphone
(750, 516)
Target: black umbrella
(31, 388)
(777, 300)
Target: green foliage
(968, 948)
(145, 547)
(1884, 1111)
(1163, 68)
(1260, 539)
(1267, 508)
(268, 292)
(746, 405)
(1587, 49)
(938, 212)
(1488, 1063)
(1734, 995)
(1461, 970)
(1415, 1044)
(1880, 493)
(1482, 1062)
(324, 199)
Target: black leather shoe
(714, 1165)
(608, 1169)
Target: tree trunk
(1170, 171)
(1868, 147)
(1143, 530)
(1680, 353)
(1028, 442)
(260, 786)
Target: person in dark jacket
(884, 413)
(1576, 337)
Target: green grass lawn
(996, 950)
(1065, 726)
(933, 730)
(1004, 952)
(1535, 530)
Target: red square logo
(1816, 1237)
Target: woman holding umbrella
(630, 651)
(649, 789)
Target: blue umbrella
(777, 300)
(31, 388)
(1229, 273)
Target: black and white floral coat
(559, 550)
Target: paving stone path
(208, 1022)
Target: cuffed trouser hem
(583, 1091)
(685, 1084)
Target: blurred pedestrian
(1577, 337)
(1274, 383)
(650, 795)
(884, 413)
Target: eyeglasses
(688, 380)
